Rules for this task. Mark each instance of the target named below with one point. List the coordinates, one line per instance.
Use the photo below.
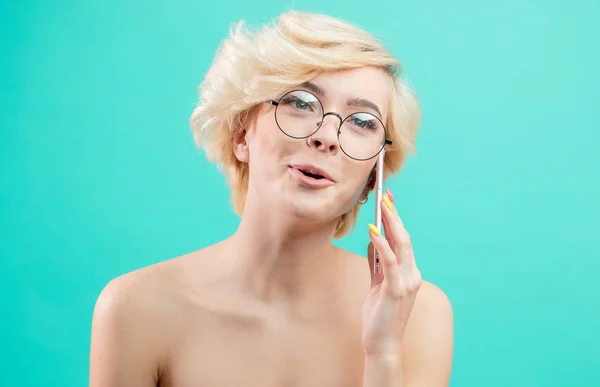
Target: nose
(325, 139)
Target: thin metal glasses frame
(339, 129)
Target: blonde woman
(295, 115)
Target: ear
(240, 145)
(244, 128)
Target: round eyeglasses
(300, 114)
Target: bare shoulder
(134, 324)
(133, 294)
(431, 316)
(129, 323)
(151, 292)
(433, 299)
(428, 339)
(153, 289)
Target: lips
(313, 172)
(311, 176)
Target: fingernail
(387, 202)
(387, 190)
(374, 230)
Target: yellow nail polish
(374, 230)
(387, 202)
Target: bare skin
(193, 321)
(276, 304)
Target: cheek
(268, 142)
(268, 149)
(262, 141)
(359, 174)
(355, 182)
(351, 192)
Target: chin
(295, 201)
(318, 210)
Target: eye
(363, 121)
(302, 101)
(301, 105)
(298, 103)
(360, 123)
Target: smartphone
(378, 198)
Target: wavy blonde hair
(253, 66)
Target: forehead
(365, 83)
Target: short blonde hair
(251, 67)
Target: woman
(295, 114)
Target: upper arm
(124, 347)
(428, 339)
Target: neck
(279, 258)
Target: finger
(395, 232)
(405, 263)
(412, 258)
(390, 195)
(388, 234)
(387, 258)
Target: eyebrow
(361, 102)
(357, 102)
(314, 88)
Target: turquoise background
(99, 174)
